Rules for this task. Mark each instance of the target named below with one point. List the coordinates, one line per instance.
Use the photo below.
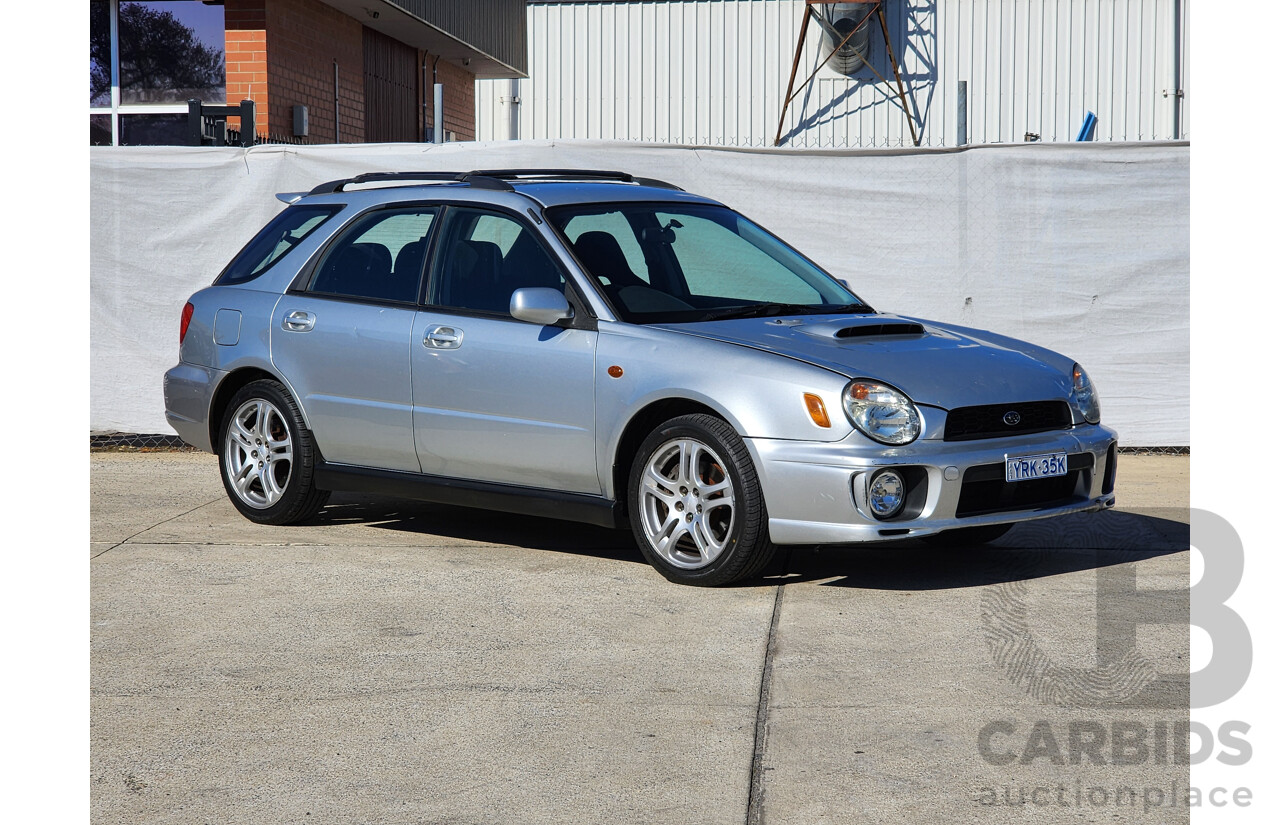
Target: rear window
(283, 233)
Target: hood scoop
(844, 331)
(893, 328)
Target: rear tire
(968, 536)
(696, 508)
(267, 456)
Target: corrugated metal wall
(714, 72)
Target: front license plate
(1027, 467)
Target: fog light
(887, 494)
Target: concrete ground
(399, 662)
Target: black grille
(968, 423)
(985, 491)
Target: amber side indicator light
(817, 410)
(615, 371)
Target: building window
(146, 60)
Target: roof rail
(334, 186)
(499, 179)
(572, 174)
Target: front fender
(760, 394)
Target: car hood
(941, 365)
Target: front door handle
(443, 338)
(299, 321)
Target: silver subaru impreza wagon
(603, 348)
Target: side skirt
(508, 498)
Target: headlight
(881, 413)
(1084, 395)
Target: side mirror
(540, 305)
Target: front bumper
(815, 492)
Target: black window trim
(302, 281)
(331, 208)
(584, 317)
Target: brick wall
(304, 39)
(281, 53)
(246, 43)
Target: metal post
(512, 101)
(248, 124)
(1177, 69)
(336, 132)
(795, 64)
(114, 27)
(902, 94)
(962, 113)
(436, 135)
(195, 129)
(438, 126)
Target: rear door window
(379, 258)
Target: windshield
(672, 263)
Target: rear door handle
(443, 338)
(299, 321)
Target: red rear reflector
(187, 311)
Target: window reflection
(169, 52)
(153, 130)
(99, 130)
(99, 53)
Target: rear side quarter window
(284, 232)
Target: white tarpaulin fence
(1081, 248)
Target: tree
(161, 59)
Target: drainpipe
(115, 74)
(1177, 69)
(336, 132)
(426, 111)
(437, 124)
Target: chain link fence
(137, 442)
(1155, 451)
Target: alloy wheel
(258, 453)
(687, 503)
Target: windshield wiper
(774, 310)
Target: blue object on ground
(1086, 128)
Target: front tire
(695, 503)
(267, 456)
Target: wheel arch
(644, 422)
(228, 387)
